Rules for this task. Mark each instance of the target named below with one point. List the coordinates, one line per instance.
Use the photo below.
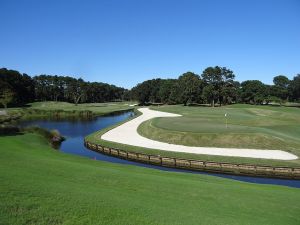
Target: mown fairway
(39, 185)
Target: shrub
(53, 136)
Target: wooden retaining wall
(198, 165)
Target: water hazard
(76, 129)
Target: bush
(38, 130)
(53, 136)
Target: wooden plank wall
(199, 165)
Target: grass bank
(63, 110)
(42, 186)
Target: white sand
(127, 134)
(3, 113)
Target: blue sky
(127, 42)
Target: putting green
(260, 127)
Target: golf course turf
(42, 186)
(51, 109)
(127, 134)
(284, 120)
(257, 127)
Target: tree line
(19, 89)
(216, 85)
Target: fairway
(150, 113)
(42, 186)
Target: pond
(76, 129)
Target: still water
(75, 130)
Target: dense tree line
(15, 88)
(19, 89)
(65, 88)
(216, 85)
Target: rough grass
(64, 110)
(97, 108)
(42, 186)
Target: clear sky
(128, 41)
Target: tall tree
(281, 81)
(165, 90)
(218, 78)
(209, 94)
(6, 94)
(20, 84)
(295, 88)
(78, 90)
(190, 86)
(230, 92)
(253, 92)
(280, 88)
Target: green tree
(78, 90)
(253, 92)
(209, 94)
(6, 96)
(175, 94)
(229, 92)
(166, 89)
(295, 88)
(281, 81)
(141, 92)
(280, 88)
(190, 86)
(21, 85)
(220, 79)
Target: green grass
(97, 108)
(64, 110)
(39, 185)
(262, 127)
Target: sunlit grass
(40, 185)
(206, 126)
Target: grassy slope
(284, 121)
(65, 109)
(97, 108)
(41, 186)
